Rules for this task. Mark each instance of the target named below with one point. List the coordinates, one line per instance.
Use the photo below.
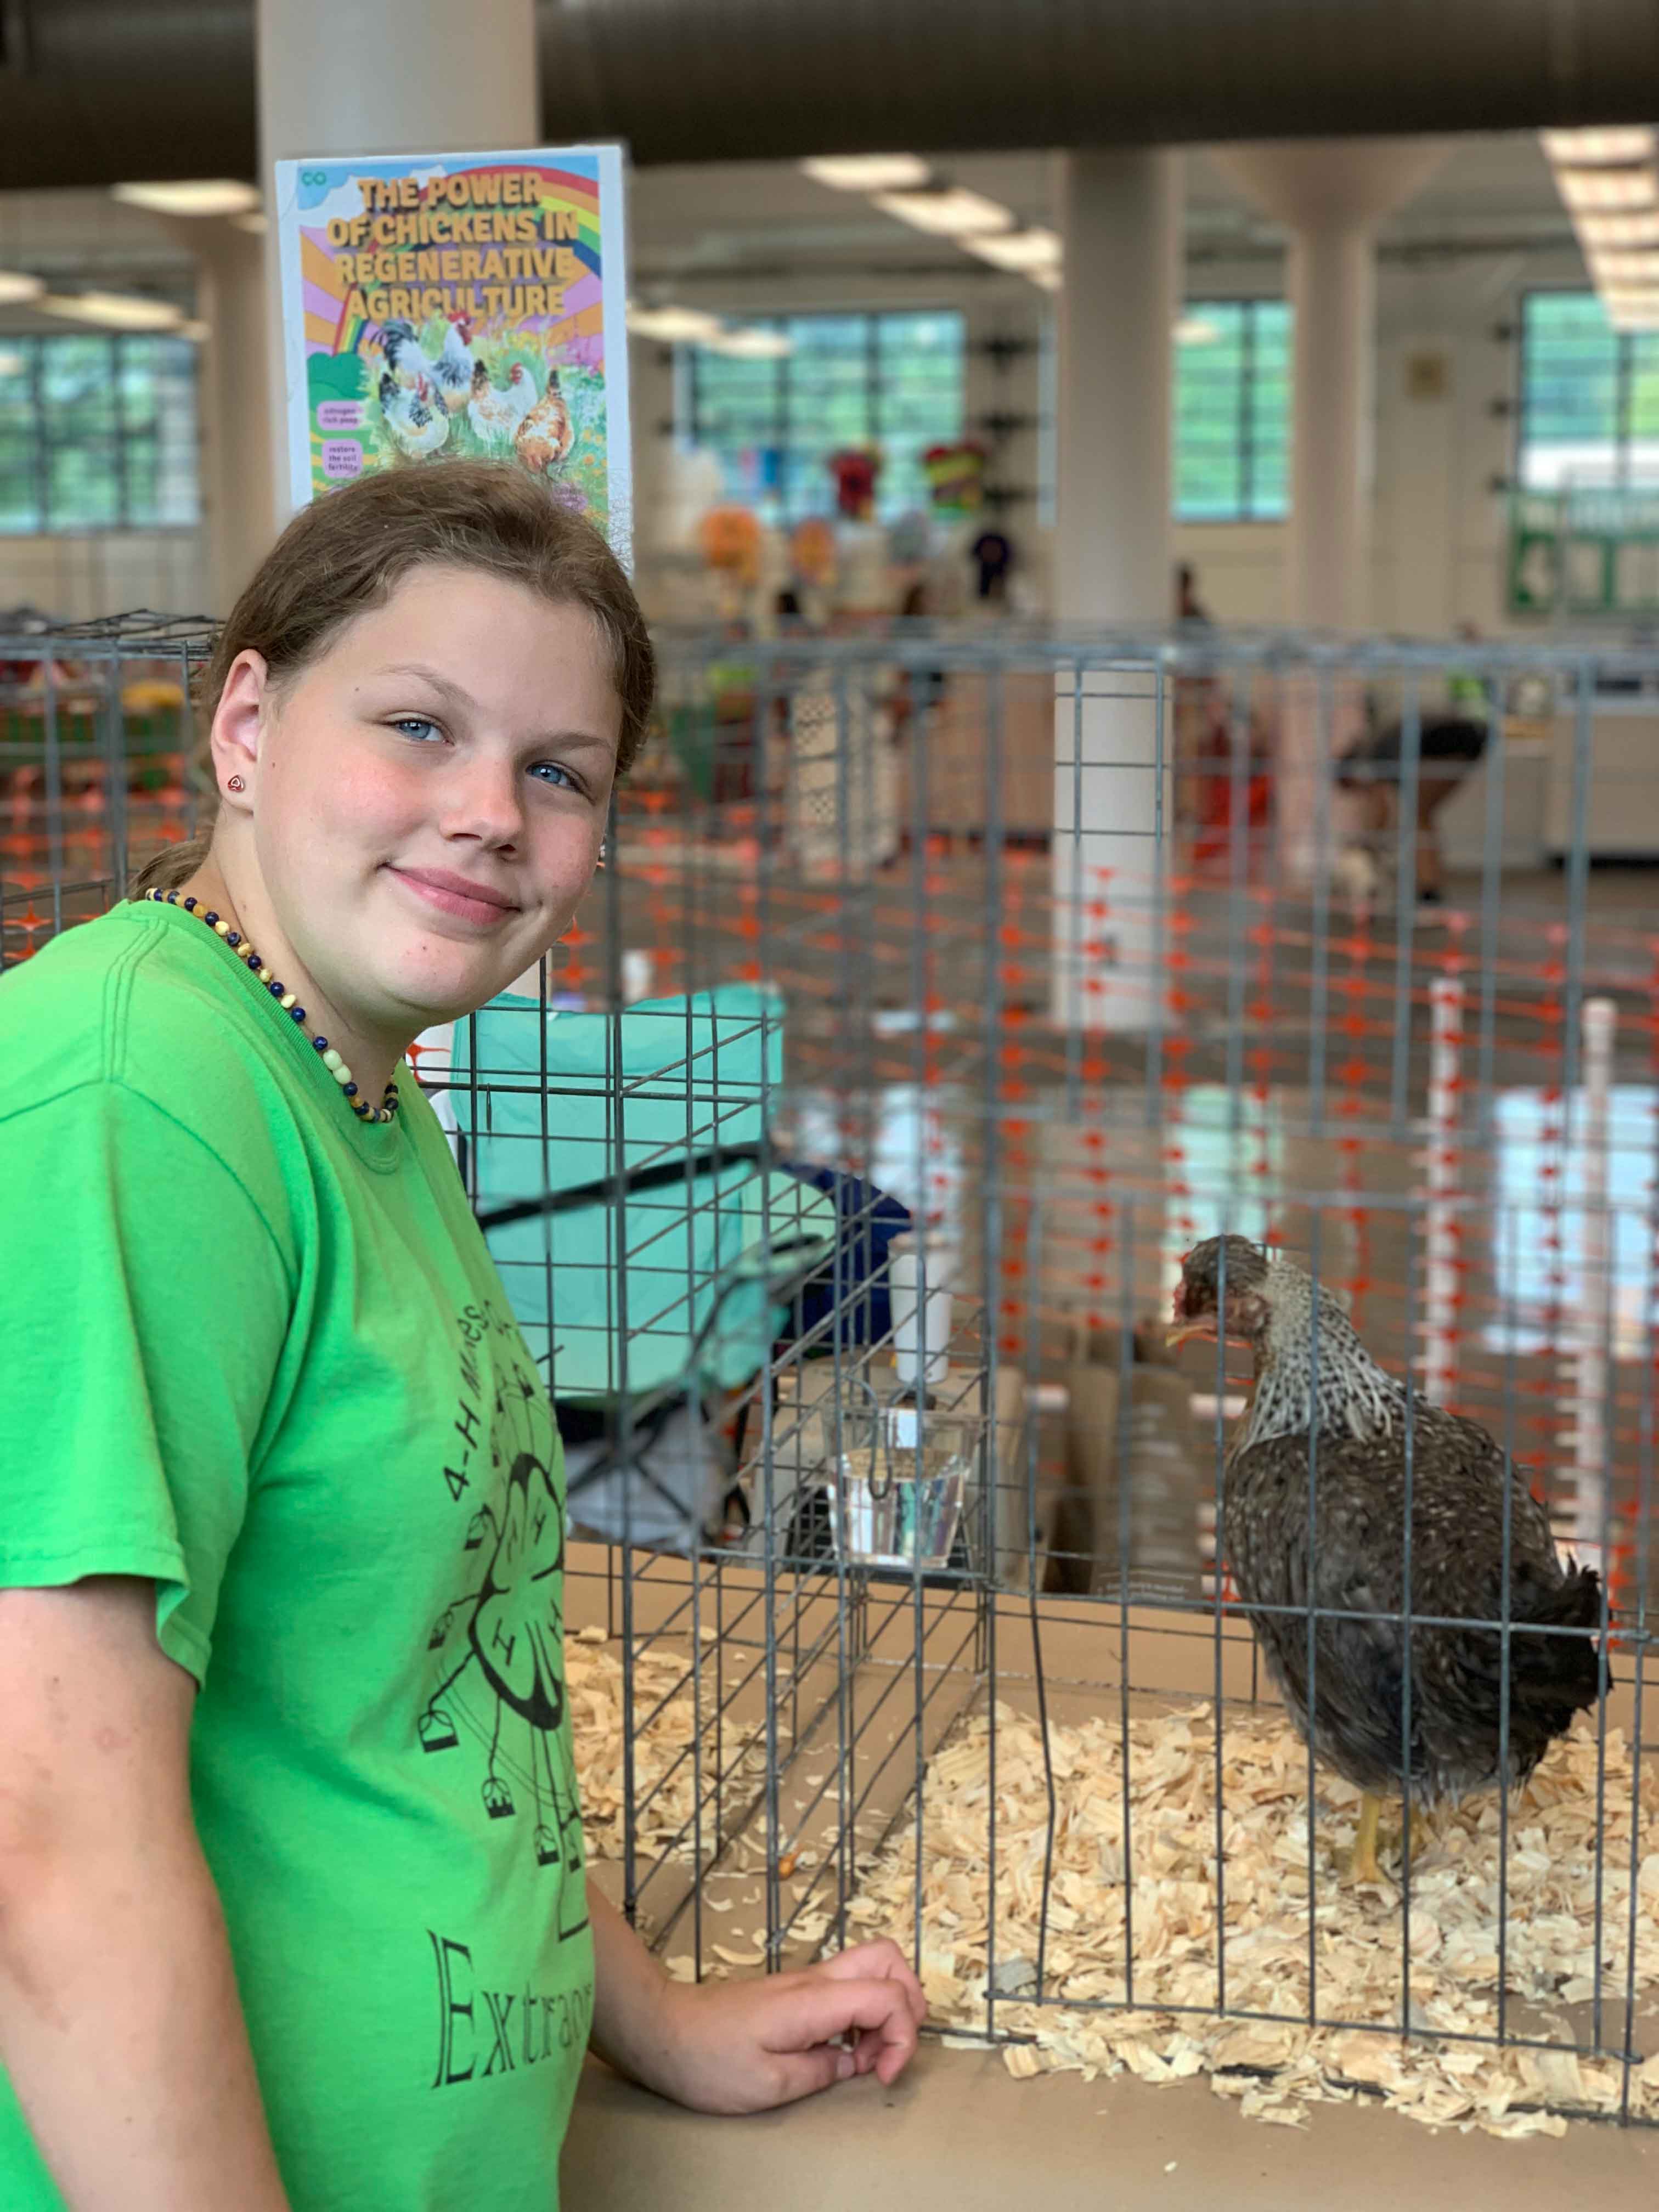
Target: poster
(459, 305)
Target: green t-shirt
(257, 1351)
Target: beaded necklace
(331, 1059)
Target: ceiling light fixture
(1193, 331)
(1620, 273)
(867, 173)
(1022, 251)
(191, 196)
(671, 325)
(16, 288)
(750, 344)
(1592, 191)
(1611, 233)
(947, 211)
(112, 311)
(1592, 149)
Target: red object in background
(855, 474)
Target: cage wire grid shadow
(1058, 958)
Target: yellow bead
(266, 975)
(287, 1000)
(222, 927)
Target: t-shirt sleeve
(147, 1304)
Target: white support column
(1119, 216)
(385, 77)
(1331, 195)
(237, 476)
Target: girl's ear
(239, 722)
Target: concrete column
(237, 477)
(1118, 214)
(1331, 196)
(385, 77)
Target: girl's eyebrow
(454, 693)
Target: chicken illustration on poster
(459, 305)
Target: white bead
(342, 1073)
(332, 1060)
(287, 1000)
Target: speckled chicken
(1324, 1418)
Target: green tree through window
(892, 380)
(1232, 411)
(97, 432)
(1590, 395)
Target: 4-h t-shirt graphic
(501, 1639)
(312, 1422)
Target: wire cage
(943, 990)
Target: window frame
(1624, 386)
(127, 438)
(688, 418)
(1249, 448)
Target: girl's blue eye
(413, 724)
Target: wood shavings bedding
(1163, 1916)
(665, 1767)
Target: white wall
(104, 572)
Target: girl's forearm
(121, 2029)
(632, 1997)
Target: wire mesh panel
(945, 992)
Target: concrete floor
(959, 2134)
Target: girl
(281, 1923)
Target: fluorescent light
(1624, 142)
(15, 288)
(112, 311)
(1600, 233)
(867, 173)
(672, 323)
(1593, 191)
(947, 213)
(1021, 250)
(1193, 330)
(1619, 272)
(255, 221)
(190, 195)
(1632, 311)
(751, 345)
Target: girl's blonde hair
(348, 552)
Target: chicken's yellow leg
(1362, 1859)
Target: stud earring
(605, 847)
(235, 783)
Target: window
(1232, 411)
(97, 432)
(1590, 395)
(894, 381)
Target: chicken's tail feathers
(1558, 1669)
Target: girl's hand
(747, 2047)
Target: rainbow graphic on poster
(445, 305)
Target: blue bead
(190, 904)
(173, 898)
(232, 938)
(296, 1013)
(320, 1043)
(350, 1090)
(275, 989)
(210, 918)
(252, 958)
